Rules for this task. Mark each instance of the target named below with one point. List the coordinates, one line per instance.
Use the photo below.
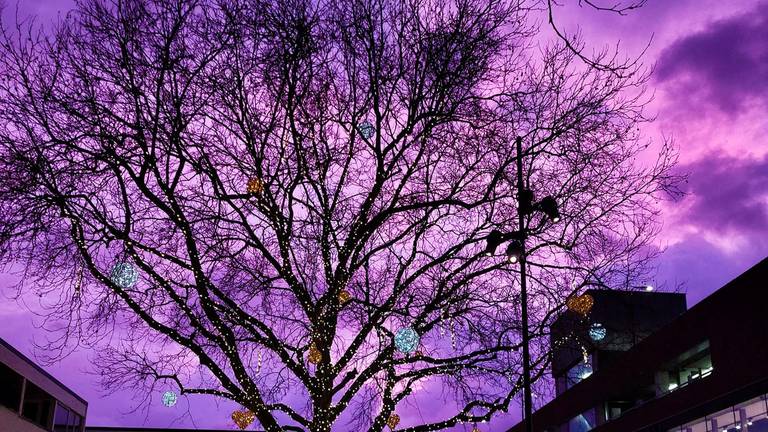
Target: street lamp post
(516, 251)
(522, 194)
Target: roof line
(42, 371)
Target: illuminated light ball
(597, 332)
(580, 304)
(314, 356)
(366, 129)
(124, 275)
(255, 185)
(243, 418)
(406, 340)
(393, 421)
(169, 399)
(344, 296)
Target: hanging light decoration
(124, 275)
(597, 332)
(344, 296)
(393, 421)
(314, 356)
(169, 399)
(580, 304)
(366, 129)
(406, 340)
(255, 185)
(475, 429)
(243, 418)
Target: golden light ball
(393, 421)
(243, 418)
(344, 297)
(314, 356)
(580, 304)
(255, 185)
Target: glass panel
(583, 422)
(10, 382)
(578, 372)
(38, 406)
(74, 422)
(61, 419)
(748, 416)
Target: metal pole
(527, 403)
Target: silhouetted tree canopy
(257, 161)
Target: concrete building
(703, 370)
(31, 400)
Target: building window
(694, 364)
(66, 420)
(38, 406)
(749, 416)
(579, 372)
(614, 409)
(583, 422)
(11, 383)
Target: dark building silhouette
(640, 362)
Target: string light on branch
(393, 421)
(597, 332)
(124, 275)
(255, 185)
(243, 418)
(366, 129)
(169, 399)
(580, 304)
(406, 340)
(344, 296)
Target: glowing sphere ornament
(393, 421)
(344, 297)
(406, 340)
(169, 399)
(255, 185)
(124, 275)
(243, 418)
(580, 304)
(366, 129)
(597, 332)
(314, 356)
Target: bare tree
(251, 198)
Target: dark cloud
(725, 65)
(727, 194)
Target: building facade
(32, 400)
(700, 370)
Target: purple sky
(711, 86)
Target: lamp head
(493, 241)
(548, 205)
(514, 251)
